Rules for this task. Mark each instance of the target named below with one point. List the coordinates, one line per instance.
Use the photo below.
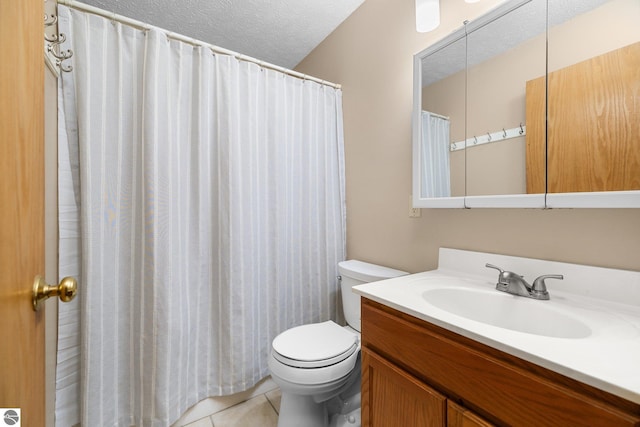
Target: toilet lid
(314, 345)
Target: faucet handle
(539, 288)
(503, 276)
(501, 279)
(495, 267)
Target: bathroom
(371, 56)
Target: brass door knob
(66, 290)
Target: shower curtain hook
(55, 55)
(51, 39)
(489, 135)
(504, 133)
(59, 39)
(54, 19)
(521, 129)
(475, 140)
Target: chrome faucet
(513, 283)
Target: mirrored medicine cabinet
(534, 105)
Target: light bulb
(427, 15)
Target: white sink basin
(507, 311)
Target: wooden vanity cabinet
(415, 373)
(394, 398)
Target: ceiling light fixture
(427, 15)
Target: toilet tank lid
(367, 272)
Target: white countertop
(608, 358)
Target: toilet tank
(352, 273)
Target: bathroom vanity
(427, 363)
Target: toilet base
(301, 411)
(352, 419)
(341, 410)
(304, 411)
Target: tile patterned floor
(260, 411)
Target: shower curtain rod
(143, 26)
(440, 116)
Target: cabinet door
(393, 398)
(457, 416)
(592, 127)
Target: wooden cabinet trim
(458, 416)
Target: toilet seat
(315, 345)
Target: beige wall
(371, 55)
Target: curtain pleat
(205, 199)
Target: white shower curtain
(212, 217)
(436, 176)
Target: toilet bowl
(317, 366)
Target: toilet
(317, 366)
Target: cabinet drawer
(501, 388)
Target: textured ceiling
(500, 35)
(281, 32)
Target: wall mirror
(531, 106)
